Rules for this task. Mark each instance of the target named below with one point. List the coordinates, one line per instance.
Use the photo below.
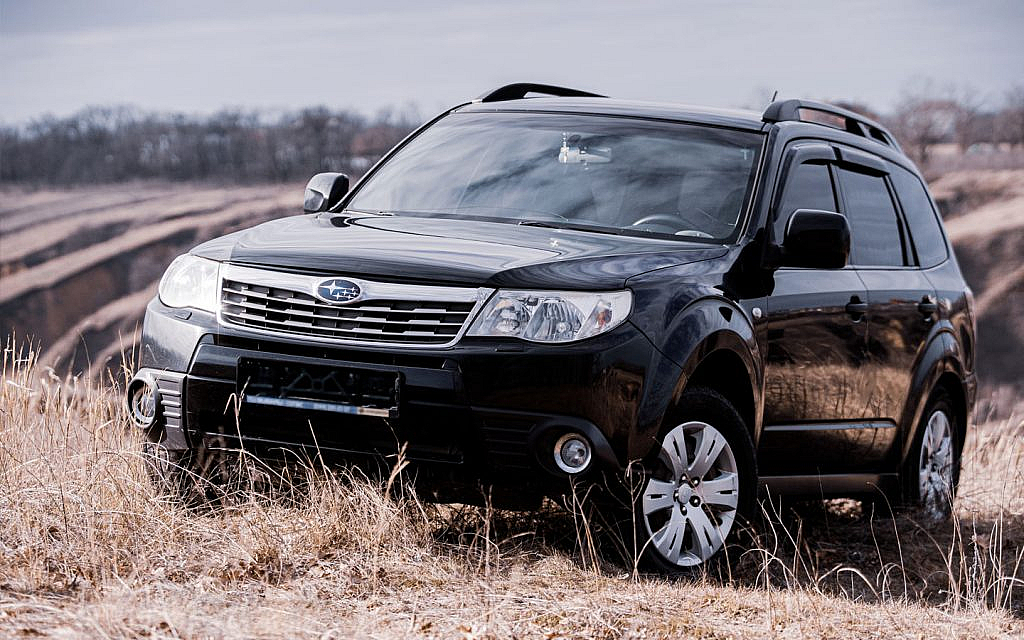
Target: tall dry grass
(89, 549)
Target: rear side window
(925, 231)
(808, 187)
(874, 227)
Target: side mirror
(323, 191)
(816, 239)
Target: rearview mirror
(816, 239)
(323, 191)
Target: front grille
(402, 321)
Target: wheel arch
(940, 367)
(950, 382)
(726, 372)
(724, 362)
(712, 343)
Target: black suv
(530, 292)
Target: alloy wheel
(935, 466)
(689, 501)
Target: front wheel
(187, 476)
(700, 485)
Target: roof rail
(520, 89)
(789, 110)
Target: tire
(184, 476)
(699, 486)
(931, 473)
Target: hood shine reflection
(452, 251)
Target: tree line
(926, 115)
(112, 144)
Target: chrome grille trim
(386, 314)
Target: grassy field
(88, 549)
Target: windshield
(597, 173)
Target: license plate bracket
(346, 390)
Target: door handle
(927, 307)
(856, 309)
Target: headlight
(191, 282)
(551, 316)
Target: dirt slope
(77, 267)
(989, 243)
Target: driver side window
(809, 186)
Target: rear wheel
(932, 470)
(699, 487)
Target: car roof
(735, 118)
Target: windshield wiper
(552, 224)
(372, 213)
(439, 215)
(615, 231)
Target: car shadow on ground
(843, 548)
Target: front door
(816, 416)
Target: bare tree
(923, 118)
(107, 144)
(968, 118)
(1011, 118)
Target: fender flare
(705, 327)
(940, 356)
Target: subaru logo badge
(338, 290)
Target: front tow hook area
(142, 402)
(153, 403)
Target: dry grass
(87, 549)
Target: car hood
(436, 250)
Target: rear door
(901, 299)
(815, 343)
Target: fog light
(142, 403)
(572, 453)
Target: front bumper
(488, 408)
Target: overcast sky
(200, 56)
